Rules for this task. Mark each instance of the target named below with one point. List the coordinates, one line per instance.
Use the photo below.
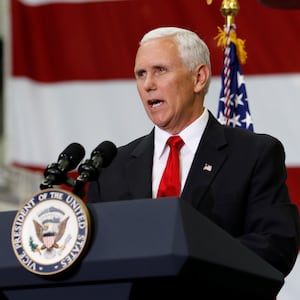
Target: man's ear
(201, 77)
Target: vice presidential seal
(50, 231)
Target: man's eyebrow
(154, 67)
(139, 71)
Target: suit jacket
(242, 188)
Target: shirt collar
(191, 135)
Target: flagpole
(233, 107)
(229, 9)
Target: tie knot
(175, 142)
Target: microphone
(56, 173)
(100, 158)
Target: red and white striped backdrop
(69, 75)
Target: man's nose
(149, 83)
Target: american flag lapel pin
(207, 167)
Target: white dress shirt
(191, 137)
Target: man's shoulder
(247, 135)
(134, 143)
(234, 135)
(136, 147)
(252, 142)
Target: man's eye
(161, 69)
(140, 73)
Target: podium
(146, 249)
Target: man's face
(167, 88)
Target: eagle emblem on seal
(49, 229)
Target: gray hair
(192, 48)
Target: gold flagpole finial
(229, 10)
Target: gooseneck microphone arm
(57, 173)
(88, 171)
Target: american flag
(233, 107)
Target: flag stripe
(67, 41)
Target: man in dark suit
(233, 176)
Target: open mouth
(154, 102)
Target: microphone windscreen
(74, 153)
(107, 150)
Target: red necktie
(170, 181)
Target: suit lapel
(210, 155)
(139, 168)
